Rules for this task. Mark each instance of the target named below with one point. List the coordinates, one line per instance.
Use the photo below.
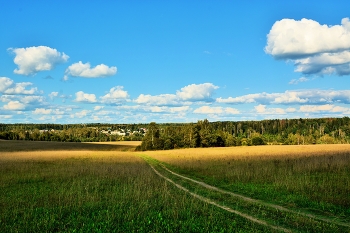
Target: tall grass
(312, 178)
(90, 191)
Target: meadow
(107, 187)
(313, 180)
(43, 189)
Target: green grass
(112, 193)
(275, 217)
(317, 184)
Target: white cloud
(115, 95)
(5, 83)
(96, 108)
(43, 111)
(31, 60)
(290, 39)
(84, 97)
(160, 100)
(292, 97)
(53, 94)
(324, 108)
(300, 42)
(325, 63)
(197, 92)
(14, 106)
(261, 109)
(32, 99)
(7, 86)
(84, 70)
(186, 95)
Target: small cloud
(206, 52)
(115, 95)
(84, 97)
(96, 108)
(14, 106)
(299, 80)
(85, 71)
(159, 100)
(197, 92)
(53, 94)
(32, 60)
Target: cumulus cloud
(115, 95)
(160, 100)
(314, 48)
(186, 95)
(84, 70)
(32, 60)
(261, 109)
(197, 92)
(14, 106)
(8, 86)
(84, 97)
(292, 97)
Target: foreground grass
(312, 179)
(91, 191)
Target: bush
(256, 141)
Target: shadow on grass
(13, 146)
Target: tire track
(281, 208)
(206, 200)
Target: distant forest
(190, 135)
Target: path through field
(256, 220)
(244, 198)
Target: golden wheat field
(184, 156)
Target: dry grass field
(184, 156)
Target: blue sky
(173, 61)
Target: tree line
(190, 135)
(72, 132)
(247, 133)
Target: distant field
(8, 146)
(99, 187)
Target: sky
(68, 62)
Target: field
(99, 187)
